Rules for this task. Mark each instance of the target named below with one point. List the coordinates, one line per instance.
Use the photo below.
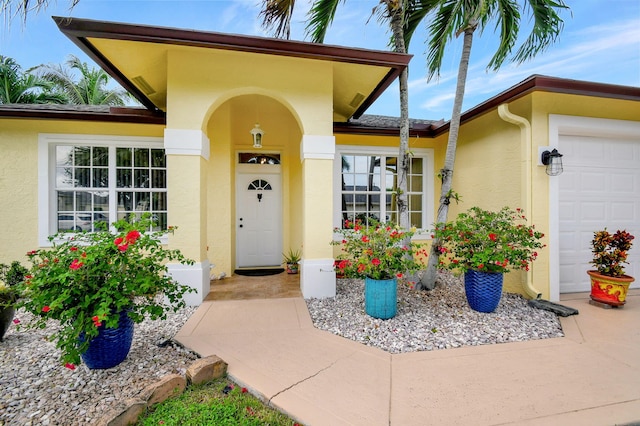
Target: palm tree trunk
(428, 280)
(396, 11)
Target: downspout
(527, 198)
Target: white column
(187, 153)
(317, 277)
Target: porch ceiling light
(257, 133)
(553, 162)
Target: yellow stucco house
(191, 158)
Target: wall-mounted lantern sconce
(257, 133)
(553, 162)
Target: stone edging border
(201, 371)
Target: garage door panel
(593, 211)
(593, 181)
(599, 188)
(624, 212)
(570, 181)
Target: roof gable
(360, 75)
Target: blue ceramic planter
(111, 346)
(380, 298)
(483, 290)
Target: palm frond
(276, 17)
(547, 26)
(320, 18)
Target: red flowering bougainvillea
(488, 241)
(379, 251)
(85, 281)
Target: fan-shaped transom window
(259, 184)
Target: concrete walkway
(589, 377)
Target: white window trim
(428, 180)
(47, 168)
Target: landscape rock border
(201, 371)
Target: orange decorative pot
(609, 290)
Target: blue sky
(600, 42)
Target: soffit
(136, 56)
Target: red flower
(480, 266)
(365, 239)
(375, 261)
(118, 241)
(399, 275)
(361, 268)
(16, 321)
(76, 264)
(123, 247)
(70, 366)
(96, 321)
(493, 237)
(73, 248)
(132, 236)
(244, 390)
(46, 309)
(32, 253)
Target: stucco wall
(19, 174)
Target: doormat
(259, 272)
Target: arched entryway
(254, 193)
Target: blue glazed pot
(111, 346)
(381, 298)
(483, 290)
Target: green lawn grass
(220, 403)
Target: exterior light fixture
(553, 162)
(257, 133)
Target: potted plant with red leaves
(484, 245)
(97, 285)
(380, 253)
(609, 284)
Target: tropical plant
(377, 250)
(403, 17)
(292, 257)
(464, 17)
(90, 88)
(88, 279)
(18, 87)
(610, 251)
(488, 241)
(10, 277)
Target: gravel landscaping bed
(431, 320)
(38, 390)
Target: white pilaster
(186, 142)
(317, 278)
(317, 146)
(195, 276)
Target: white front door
(259, 216)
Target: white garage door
(600, 187)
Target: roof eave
(115, 115)
(80, 30)
(542, 83)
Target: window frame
(427, 155)
(47, 199)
